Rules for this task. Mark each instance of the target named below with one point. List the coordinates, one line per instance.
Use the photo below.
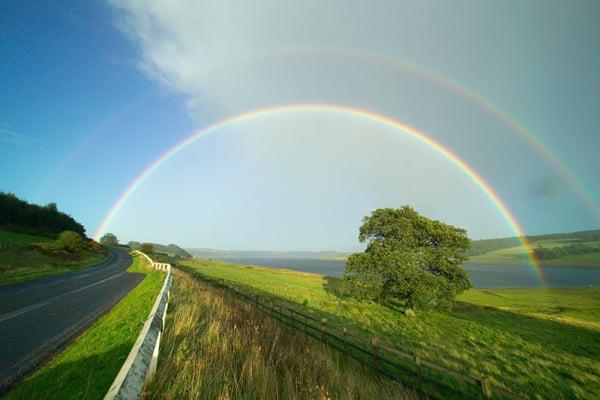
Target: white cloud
(8, 135)
(229, 56)
(232, 56)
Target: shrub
(70, 241)
(95, 246)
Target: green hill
(18, 215)
(24, 257)
(171, 250)
(573, 248)
(27, 246)
(480, 247)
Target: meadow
(216, 347)
(541, 343)
(518, 256)
(87, 367)
(24, 257)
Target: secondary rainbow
(336, 109)
(486, 105)
(437, 78)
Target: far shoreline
(542, 263)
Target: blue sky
(94, 92)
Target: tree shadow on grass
(577, 340)
(336, 287)
(87, 378)
(551, 335)
(553, 338)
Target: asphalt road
(37, 318)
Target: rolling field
(25, 257)
(518, 256)
(571, 306)
(215, 347)
(543, 343)
(86, 369)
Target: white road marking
(80, 275)
(24, 310)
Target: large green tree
(410, 258)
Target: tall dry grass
(215, 347)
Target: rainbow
(448, 83)
(336, 109)
(484, 104)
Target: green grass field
(86, 369)
(216, 347)
(543, 343)
(518, 255)
(25, 257)
(7, 237)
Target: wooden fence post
(324, 330)
(417, 360)
(375, 344)
(486, 390)
(345, 336)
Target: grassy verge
(543, 343)
(23, 263)
(215, 347)
(25, 257)
(86, 368)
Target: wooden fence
(425, 376)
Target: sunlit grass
(215, 347)
(542, 343)
(26, 257)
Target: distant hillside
(480, 247)
(18, 215)
(211, 253)
(172, 249)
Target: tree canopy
(109, 239)
(410, 258)
(71, 241)
(146, 248)
(19, 215)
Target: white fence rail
(140, 365)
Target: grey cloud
(547, 187)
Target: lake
(482, 275)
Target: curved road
(38, 317)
